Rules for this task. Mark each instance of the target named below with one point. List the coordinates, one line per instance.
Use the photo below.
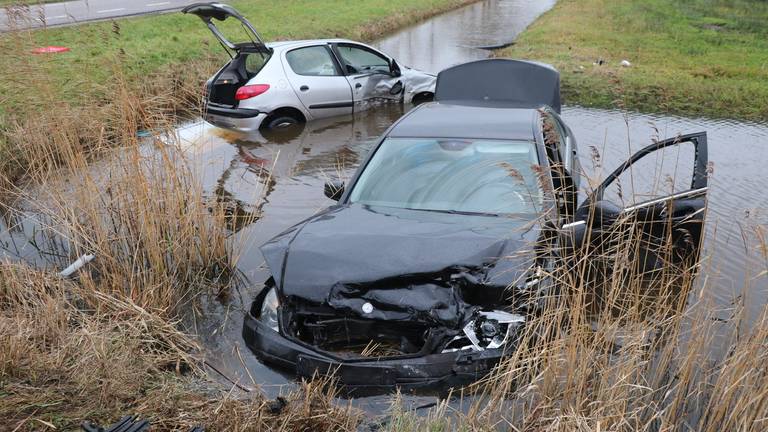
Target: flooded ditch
(273, 182)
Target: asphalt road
(73, 12)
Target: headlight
(268, 315)
(487, 330)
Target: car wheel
(281, 122)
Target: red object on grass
(50, 49)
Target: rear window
(254, 62)
(468, 176)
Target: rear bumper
(362, 376)
(238, 119)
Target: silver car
(278, 84)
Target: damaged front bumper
(370, 375)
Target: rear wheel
(281, 122)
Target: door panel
(316, 78)
(665, 229)
(368, 74)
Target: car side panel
(321, 96)
(280, 93)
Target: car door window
(665, 172)
(312, 61)
(358, 59)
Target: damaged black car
(423, 271)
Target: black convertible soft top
(513, 83)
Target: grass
(168, 43)
(690, 57)
(110, 340)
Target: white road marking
(110, 10)
(158, 4)
(57, 17)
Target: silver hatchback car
(275, 85)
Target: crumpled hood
(408, 264)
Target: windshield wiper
(459, 212)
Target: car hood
(399, 264)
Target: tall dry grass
(111, 179)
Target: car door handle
(358, 85)
(304, 88)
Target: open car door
(207, 12)
(660, 212)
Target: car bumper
(362, 376)
(238, 119)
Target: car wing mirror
(394, 69)
(334, 189)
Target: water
(280, 179)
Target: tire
(281, 122)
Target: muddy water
(279, 179)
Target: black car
(419, 274)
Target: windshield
(472, 176)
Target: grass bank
(691, 57)
(167, 44)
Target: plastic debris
(77, 265)
(126, 424)
(50, 50)
(626, 63)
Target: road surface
(73, 12)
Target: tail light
(249, 91)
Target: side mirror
(334, 189)
(394, 69)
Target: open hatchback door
(660, 209)
(220, 12)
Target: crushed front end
(375, 355)
(386, 297)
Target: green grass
(691, 57)
(149, 45)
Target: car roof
(290, 44)
(454, 120)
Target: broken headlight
(268, 313)
(486, 330)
